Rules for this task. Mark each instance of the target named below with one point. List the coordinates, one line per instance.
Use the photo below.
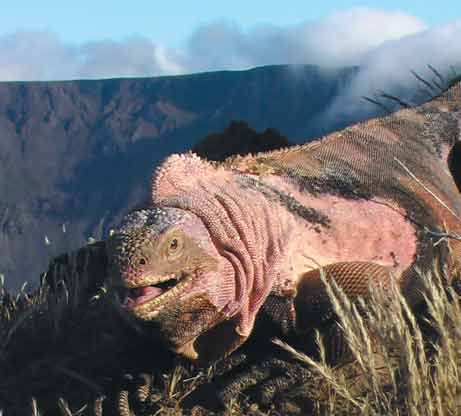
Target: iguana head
(174, 276)
(195, 262)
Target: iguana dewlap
(220, 241)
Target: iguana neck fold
(251, 240)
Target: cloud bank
(340, 39)
(389, 67)
(29, 56)
(386, 46)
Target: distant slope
(80, 153)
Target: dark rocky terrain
(75, 155)
(239, 138)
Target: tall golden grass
(400, 361)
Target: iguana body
(252, 234)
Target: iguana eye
(174, 246)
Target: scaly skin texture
(222, 244)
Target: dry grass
(64, 352)
(399, 363)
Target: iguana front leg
(312, 303)
(277, 373)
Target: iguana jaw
(147, 298)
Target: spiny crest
(180, 172)
(455, 80)
(154, 218)
(431, 90)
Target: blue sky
(171, 21)
(44, 40)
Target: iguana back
(409, 157)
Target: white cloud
(389, 67)
(39, 55)
(340, 39)
(136, 56)
(387, 45)
(43, 56)
(345, 38)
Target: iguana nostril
(142, 262)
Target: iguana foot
(134, 395)
(266, 381)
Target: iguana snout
(156, 253)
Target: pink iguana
(221, 243)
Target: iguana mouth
(156, 294)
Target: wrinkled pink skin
(259, 245)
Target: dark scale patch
(452, 82)
(334, 184)
(277, 316)
(454, 161)
(420, 215)
(330, 182)
(311, 215)
(440, 128)
(415, 210)
(184, 320)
